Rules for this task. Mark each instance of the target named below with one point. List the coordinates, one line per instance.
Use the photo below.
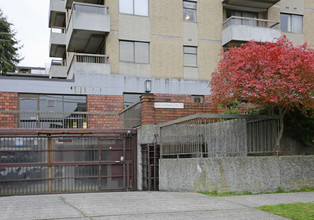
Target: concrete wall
(252, 174)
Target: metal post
(99, 166)
(148, 169)
(50, 164)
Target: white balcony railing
(241, 29)
(88, 8)
(254, 22)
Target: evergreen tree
(9, 56)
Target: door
(112, 175)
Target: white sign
(168, 105)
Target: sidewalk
(143, 205)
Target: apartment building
(105, 50)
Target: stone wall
(237, 174)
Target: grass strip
(297, 211)
(216, 194)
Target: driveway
(143, 205)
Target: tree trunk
(282, 113)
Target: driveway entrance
(59, 162)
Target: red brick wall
(151, 115)
(9, 102)
(104, 103)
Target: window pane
(75, 104)
(28, 120)
(190, 60)
(297, 24)
(189, 15)
(129, 99)
(126, 6)
(191, 5)
(141, 7)
(189, 50)
(51, 103)
(141, 52)
(284, 22)
(126, 51)
(28, 103)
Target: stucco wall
(252, 174)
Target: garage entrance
(35, 162)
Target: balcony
(88, 63)
(241, 29)
(251, 5)
(69, 3)
(57, 43)
(87, 28)
(57, 69)
(57, 14)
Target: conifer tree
(9, 56)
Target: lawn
(298, 211)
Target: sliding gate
(32, 164)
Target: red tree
(271, 75)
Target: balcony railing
(254, 22)
(47, 120)
(88, 63)
(88, 8)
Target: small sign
(168, 105)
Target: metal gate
(150, 166)
(60, 163)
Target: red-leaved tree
(270, 75)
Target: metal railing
(211, 135)
(66, 120)
(130, 117)
(254, 22)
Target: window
(190, 56)
(135, 52)
(136, 7)
(52, 111)
(197, 98)
(189, 11)
(291, 23)
(130, 98)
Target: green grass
(216, 194)
(298, 211)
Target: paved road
(143, 205)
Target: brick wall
(9, 102)
(104, 103)
(151, 115)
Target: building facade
(104, 51)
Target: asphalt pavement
(143, 205)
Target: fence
(53, 163)
(212, 135)
(40, 119)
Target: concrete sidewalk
(143, 205)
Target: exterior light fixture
(148, 86)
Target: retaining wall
(237, 174)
